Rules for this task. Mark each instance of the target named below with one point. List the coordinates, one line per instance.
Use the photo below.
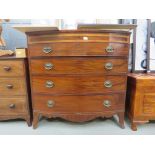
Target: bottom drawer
(95, 103)
(12, 105)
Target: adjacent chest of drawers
(78, 75)
(14, 101)
(140, 99)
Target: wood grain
(14, 89)
(78, 65)
(78, 59)
(78, 49)
(72, 34)
(11, 68)
(18, 86)
(79, 38)
(79, 104)
(19, 102)
(140, 99)
(78, 84)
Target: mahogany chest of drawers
(14, 100)
(140, 99)
(78, 75)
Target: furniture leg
(121, 119)
(28, 120)
(35, 120)
(133, 126)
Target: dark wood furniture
(14, 100)
(140, 99)
(78, 75)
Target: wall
(15, 39)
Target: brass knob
(109, 49)
(7, 68)
(49, 84)
(108, 84)
(9, 86)
(107, 103)
(48, 66)
(108, 66)
(47, 49)
(50, 103)
(12, 106)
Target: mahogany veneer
(78, 65)
(79, 104)
(78, 75)
(79, 48)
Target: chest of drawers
(140, 99)
(78, 75)
(14, 98)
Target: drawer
(78, 49)
(77, 36)
(12, 105)
(12, 86)
(12, 68)
(72, 104)
(78, 65)
(149, 104)
(78, 84)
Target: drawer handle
(9, 86)
(109, 49)
(108, 66)
(50, 103)
(47, 49)
(107, 103)
(49, 66)
(12, 106)
(7, 68)
(108, 84)
(49, 84)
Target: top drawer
(11, 68)
(78, 49)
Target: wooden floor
(61, 127)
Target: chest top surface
(142, 76)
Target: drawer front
(149, 104)
(11, 68)
(78, 65)
(12, 105)
(79, 37)
(78, 84)
(12, 86)
(78, 49)
(73, 104)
